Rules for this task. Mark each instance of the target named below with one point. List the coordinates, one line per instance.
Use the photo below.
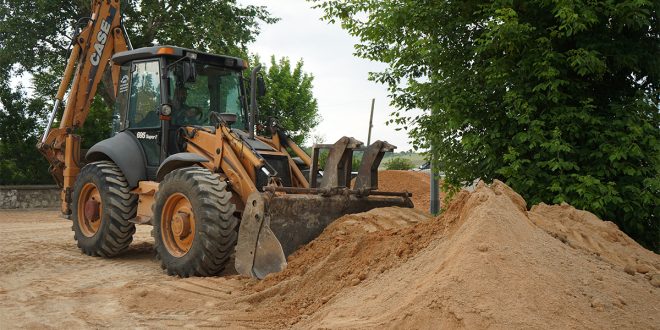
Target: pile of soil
(583, 230)
(417, 183)
(486, 261)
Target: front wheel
(194, 227)
(102, 207)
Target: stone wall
(27, 197)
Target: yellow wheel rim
(177, 225)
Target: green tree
(557, 98)
(289, 98)
(35, 36)
(20, 163)
(215, 26)
(399, 163)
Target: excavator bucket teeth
(274, 226)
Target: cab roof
(177, 52)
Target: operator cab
(164, 88)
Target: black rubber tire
(115, 233)
(215, 223)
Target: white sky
(340, 79)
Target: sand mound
(417, 183)
(352, 249)
(485, 262)
(583, 230)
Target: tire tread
(215, 228)
(119, 207)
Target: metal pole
(51, 118)
(435, 200)
(371, 121)
(253, 101)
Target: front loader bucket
(274, 225)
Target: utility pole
(371, 121)
(435, 196)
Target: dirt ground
(46, 282)
(487, 261)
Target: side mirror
(189, 73)
(261, 86)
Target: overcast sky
(340, 79)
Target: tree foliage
(35, 37)
(399, 163)
(216, 26)
(20, 163)
(558, 98)
(289, 98)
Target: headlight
(166, 110)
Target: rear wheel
(194, 223)
(102, 207)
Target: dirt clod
(643, 268)
(483, 247)
(655, 280)
(598, 304)
(629, 269)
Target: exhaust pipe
(253, 100)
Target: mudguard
(182, 159)
(124, 150)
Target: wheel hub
(181, 224)
(92, 210)
(177, 225)
(89, 210)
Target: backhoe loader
(184, 158)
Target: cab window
(215, 89)
(145, 95)
(121, 103)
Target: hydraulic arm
(91, 50)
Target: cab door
(144, 103)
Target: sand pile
(417, 183)
(583, 230)
(485, 262)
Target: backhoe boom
(92, 49)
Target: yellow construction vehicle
(184, 158)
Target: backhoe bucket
(274, 225)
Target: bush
(399, 163)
